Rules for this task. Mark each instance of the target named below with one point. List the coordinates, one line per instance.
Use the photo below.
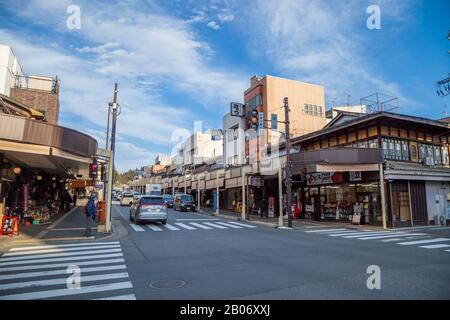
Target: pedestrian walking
(91, 213)
(74, 199)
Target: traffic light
(93, 170)
(254, 119)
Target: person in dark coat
(74, 199)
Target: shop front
(339, 185)
(336, 196)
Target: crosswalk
(94, 270)
(191, 225)
(402, 238)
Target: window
(254, 102)
(413, 152)
(445, 158)
(312, 110)
(437, 155)
(405, 151)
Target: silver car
(148, 209)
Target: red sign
(10, 225)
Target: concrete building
(9, 69)
(306, 101)
(198, 148)
(234, 140)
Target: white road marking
(242, 224)
(390, 236)
(229, 225)
(436, 246)
(170, 227)
(370, 234)
(198, 219)
(198, 225)
(215, 225)
(19, 275)
(325, 230)
(62, 246)
(354, 234)
(409, 243)
(345, 233)
(61, 259)
(136, 227)
(153, 227)
(61, 265)
(185, 226)
(123, 297)
(56, 250)
(52, 282)
(57, 255)
(68, 292)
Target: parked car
(183, 202)
(168, 200)
(127, 199)
(148, 209)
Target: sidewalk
(69, 226)
(296, 223)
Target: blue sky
(183, 61)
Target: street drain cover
(167, 284)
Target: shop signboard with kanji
(319, 178)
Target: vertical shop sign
(271, 208)
(25, 197)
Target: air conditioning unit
(440, 220)
(429, 161)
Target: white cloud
(322, 42)
(148, 54)
(225, 17)
(213, 25)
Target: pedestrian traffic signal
(93, 170)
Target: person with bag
(90, 211)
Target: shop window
(437, 155)
(413, 152)
(445, 158)
(363, 144)
(373, 143)
(420, 136)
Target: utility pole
(114, 107)
(107, 127)
(288, 164)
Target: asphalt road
(197, 256)
(268, 263)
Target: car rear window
(128, 195)
(168, 197)
(153, 200)
(186, 198)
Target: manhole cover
(167, 284)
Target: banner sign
(314, 179)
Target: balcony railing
(22, 130)
(38, 83)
